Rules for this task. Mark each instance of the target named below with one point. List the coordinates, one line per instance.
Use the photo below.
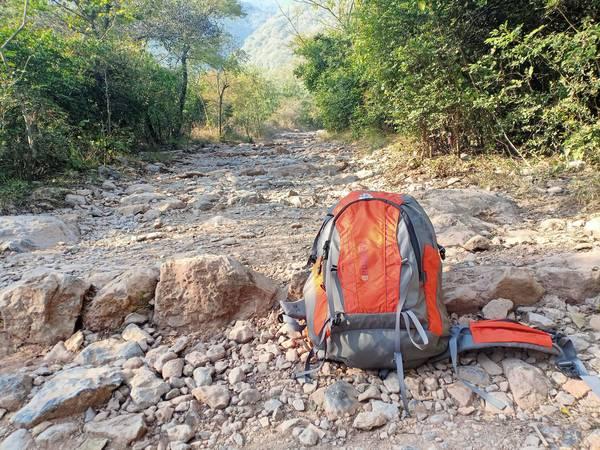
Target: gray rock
(477, 243)
(42, 308)
(133, 333)
(69, 392)
(216, 397)
(488, 365)
(180, 433)
(369, 420)
(309, 437)
(475, 375)
(461, 394)
(93, 444)
(340, 399)
(40, 231)
(272, 405)
(390, 411)
(203, 376)
(107, 351)
(241, 333)
(392, 383)
(14, 389)
(497, 309)
(467, 289)
(18, 440)
(120, 429)
(528, 384)
(146, 388)
(173, 368)
(250, 396)
(236, 375)
(537, 320)
(55, 435)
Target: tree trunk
(184, 85)
(107, 98)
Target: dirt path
(262, 204)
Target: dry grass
(522, 179)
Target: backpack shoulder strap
(503, 333)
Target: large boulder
(108, 351)
(468, 289)
(29, 232)
(122, 429)
(460, 214)
(42, 308)
(571, 276)
(208, 291)
(127, 293)
(69, 392)
(146, 388)
(14, 389)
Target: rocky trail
(137, 311)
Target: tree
(253, 100)
(190, 31)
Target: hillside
(269, 47)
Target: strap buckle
(568, 368)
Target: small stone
(18, 440)
(497, 309)
(488, 365)
(475, 375)
(74, 343)
(216, 353)
(477, 243)
(298, 404)
(390, 411)
(250, 396)
(308, 437)
(14, 389)
(370, 393)
(502, 397)
(391, 383)
(595, 322)
(236, 375)
(216, 397)
(241, 333)
(340, 399)
(203, 376)
(122, 429)
(537, 320)
(173, 368)
(564, 399)
(134, 333)
(271, 405)
(577, 388)
(180, 433)
(461, 394)
(369, 420)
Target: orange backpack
(373, 298)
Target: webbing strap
(309, 369)
(398, 355)
(293, 312)
(409, 317)
(571, 365)
(453, 347)
(400, 373)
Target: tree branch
(15, 33)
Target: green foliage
(253, 102)
(336, 85)
(81, 83)
(480, 75)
